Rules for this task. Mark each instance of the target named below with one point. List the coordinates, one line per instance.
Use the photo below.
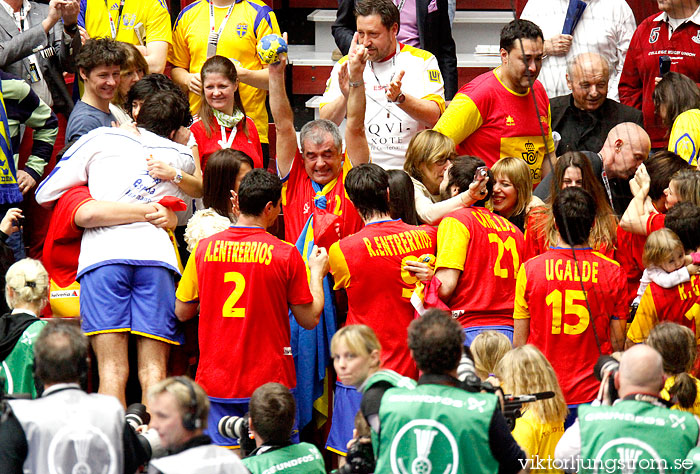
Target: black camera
(607, 364)
(237, 427)
(136, 415)
(359, 460)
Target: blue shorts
(218, 408)
(122, 298)
(471, 333)
(346, 404)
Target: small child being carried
(666, 263)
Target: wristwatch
(178, 176)
(400, 99)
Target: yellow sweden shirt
(250, 20)
(153, 14)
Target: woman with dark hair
(131, 71)
(677, 104)
(222, 121)
(402, 204)
(572, 169)
(226, 170)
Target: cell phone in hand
(481, 173)
(664, 65)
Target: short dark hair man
(65, 418)
(271, 421)
(494, 116)
(98, 63)
(246, 281)
(569, 300)
(417, 428)
(383, 254)
(584, 117)
(128, 268)
(179, 409)
(639, 432)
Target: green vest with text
(389, 376)
(635, 436)
(17, 368)
(434, 428)
(302, 458)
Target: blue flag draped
(311, 348)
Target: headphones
(190, 420)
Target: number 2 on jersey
(408, 277)
(229, 310)
(509, 245)
(554, 299)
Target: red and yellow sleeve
(188, 288)
(521, 310)
(339, 267)
(298, 291)
(460, 119)
(452, 242)
(644, 320)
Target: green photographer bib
(635, 436)
(302, 458)
(435, 429)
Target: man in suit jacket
(585, 117)
(428, 19)
(37, 44)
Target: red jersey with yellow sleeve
(487, 249)
(569, 301)
(298, 200)
(680, 305)
(488, 120)
(244, 279)
(61, 252)
(369, 266)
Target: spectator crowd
(501, 275)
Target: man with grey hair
(314, 178)
(584, 117)
(639, 432)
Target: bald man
(584, 117)
(626, 146)
(639, 431)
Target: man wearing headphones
(271, 421)
(179, 409)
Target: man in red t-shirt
(479, 254)
(245, 281)
(314, 178)
(569, 300)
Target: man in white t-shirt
(403, 85)
(606, 27)
(126, 272)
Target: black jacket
(586, 131)
(434, 32)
